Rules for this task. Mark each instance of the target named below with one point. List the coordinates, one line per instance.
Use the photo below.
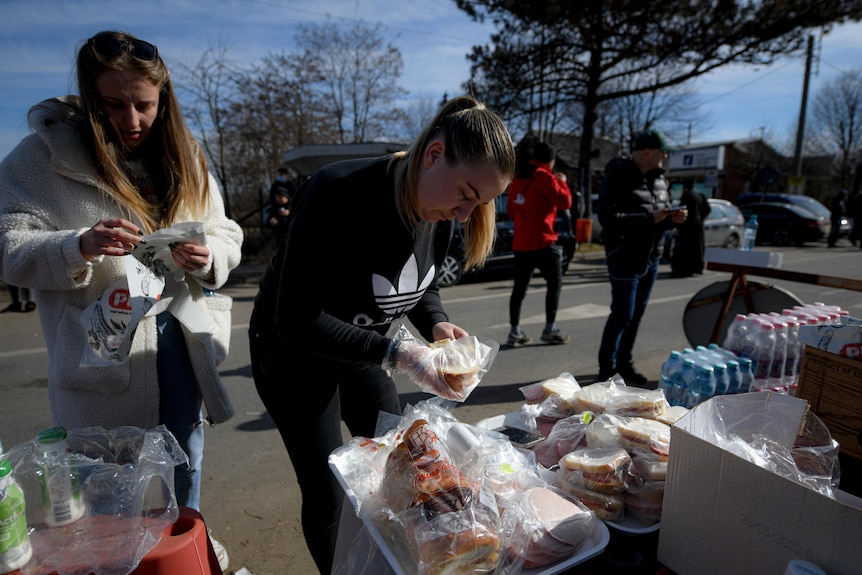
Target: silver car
(723, 226)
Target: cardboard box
(722, 514)
(753, 258)
(832, 385)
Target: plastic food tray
(594, 545)
(512, 419)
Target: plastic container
(61, 492)
(746, 375)
(749, 235)
(15, 547)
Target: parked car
(722, 228)
(783, 224)
(502, 258)
(807, 202)
(723, 225)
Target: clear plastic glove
(451, 370)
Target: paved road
(249, 495)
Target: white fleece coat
(49, 195)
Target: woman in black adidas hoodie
(365, 243)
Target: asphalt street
(249, 496)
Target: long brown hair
(176, 161)
(472, 134)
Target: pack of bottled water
(759, 352)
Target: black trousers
(549, 261)
(307, 397)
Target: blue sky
(38, 41)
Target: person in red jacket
(535, 195)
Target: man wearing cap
(634, 211)
(534, 197)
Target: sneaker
(555, 337)
(221, 554)
(518, 339)
(632, 376)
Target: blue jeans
(629, 296)
(180, 407)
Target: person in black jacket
(634, 210)
(689, 247)
(838, 209)
(318, 332)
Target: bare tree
(597, 46)
(210, 88)
(837, 124)
(358, 75)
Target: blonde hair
(178, 165)
(471, 134)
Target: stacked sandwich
(611, 450)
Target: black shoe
(12, 307)
(632, 376)
(605, 374)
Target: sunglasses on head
(110, 47)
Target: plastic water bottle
(749, 234)
(746, 375)
(750, 338)
(668, 369)
(779, 354)
(734, 377)
(15, 547)
(61, 491)
(683, 383)
(761, 358)
(722, 381)
(735, 334)
(704, 385)
(794, 354)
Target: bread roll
(646, 433)
(604, 469)
(449, 530)
(457, 363)
(607, 506)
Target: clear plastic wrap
(466, 481)
(126, 481)
(449, 369)
(803, 451)
(565, 436)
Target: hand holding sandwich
(448, 368)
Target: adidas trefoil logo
(398, 300)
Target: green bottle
(15, 548)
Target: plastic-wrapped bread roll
(449, 529)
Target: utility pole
(800, 130)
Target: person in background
(278, 214)
(534, 197)
(634, 210)
(838, 210)
(689, 247)
(21, 301)
(329, 323)
(100, 171)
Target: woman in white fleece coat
(99, 172)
